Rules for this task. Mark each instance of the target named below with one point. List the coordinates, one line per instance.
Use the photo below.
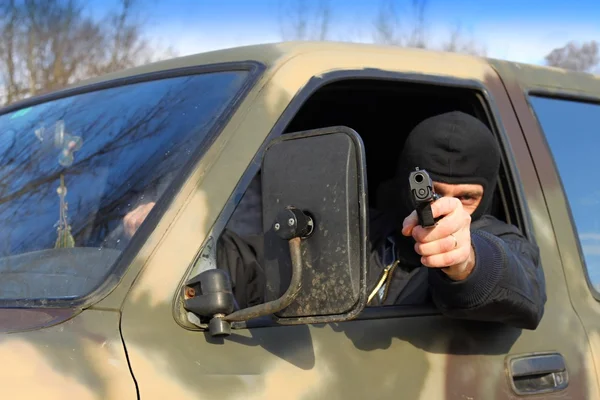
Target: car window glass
(572, 133)
(73, 169)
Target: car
(115, 192)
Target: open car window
(72, 169)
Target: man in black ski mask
(472, 265)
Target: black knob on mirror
(292, 223)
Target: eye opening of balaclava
(454, 148)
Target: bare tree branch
(47, 44)
(299, 21)
(387, 25)
(391, 29)
(418, 36)
(9, 23)
(456, 44)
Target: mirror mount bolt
(298, 224)
(219, 327)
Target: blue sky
(523, 30)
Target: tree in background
(388, 25)
(575, 57)
(48, 44)
(299, 20)
(303, 20)
(388, 29)
(458, 44)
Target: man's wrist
(489, 265)
(462, 271)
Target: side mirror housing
(321, 173)
(314, 200)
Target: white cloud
(590, 236)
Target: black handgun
(421, 188)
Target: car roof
(269, 54)
(273, 54)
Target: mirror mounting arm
(292, 225)
(285, 300)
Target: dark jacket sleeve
(507, 284)
(241, 257)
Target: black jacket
(507, 284)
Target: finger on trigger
(409, 223)
(444, 206)
(443, 228)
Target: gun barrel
(423, 194)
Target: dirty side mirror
(320, 174)
(314, 201)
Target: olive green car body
(133, 339)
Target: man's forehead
(463, 188)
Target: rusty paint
(189, 292)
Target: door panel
(420, 357)
(586, 306)
(82, 358)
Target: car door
(560, 123)
(384, 353)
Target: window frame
(573, 97)
(490, 107)
(255, 71)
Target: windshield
(78, 175)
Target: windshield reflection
(72, 169)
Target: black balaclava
(454, 148)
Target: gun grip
(425, 215)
